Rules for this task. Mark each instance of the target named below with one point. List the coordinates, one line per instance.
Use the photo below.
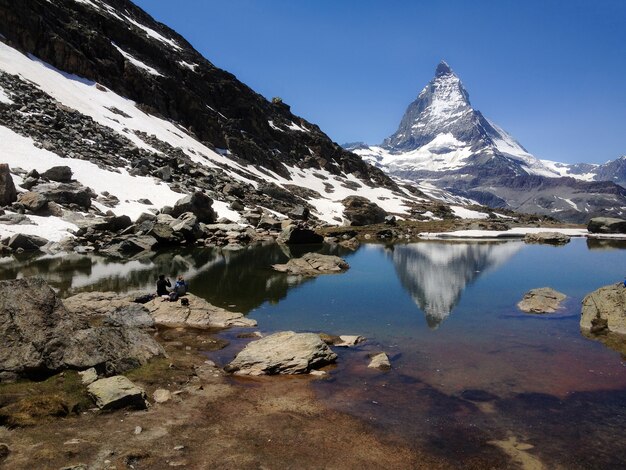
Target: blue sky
(552, 73)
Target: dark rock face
(199, 204)
(212, 103)
(293, 235)
(26, 242)
(606, 225)
(360, 211)
(40, 337)
(60, 174)
(8, 194)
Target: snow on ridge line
(517, 232)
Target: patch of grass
(26, 403)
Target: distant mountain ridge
(444, 141)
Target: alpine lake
(471, 374)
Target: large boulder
(198, 314)
(294, 235)
(606, 225)
(67, 193)
(115, 309)
(542, 300)
(550, 238)
(285, 352)
(8, 193)
(60, 174)
(361, 211)
(40, 337)
(113, 223)
(197, 203)
(604, 310)
(117, 392)
(26, 242)
(312, 264)
(33, 201)
(130, 245)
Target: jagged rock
(113, 223)
(30, 183)
(234, 189)
(60, 174)
(26, 242)
(67, 193)
(237, 206)
(40, 337)
(199, 313)
(379, 361)
(33, 201)
(351, 243)
(299, 213)
(145, 216)
(8, 193)
(361, 211)
(551, 238)
(542, 300)
(117, 392)
(132, 244)
(88, 376)
(15, 219)
(312, 264)
(282, 353)
(347, 341)
(390, 220)
(294, 235)
(199, 204)
(604, 310)
(187, 225)
(606, 225)
(269, 223)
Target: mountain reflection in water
(436, 274)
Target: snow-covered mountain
(444, 141)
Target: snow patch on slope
(136, 62)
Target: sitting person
(181, 286)
(162, 285)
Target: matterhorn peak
(443, 69)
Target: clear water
(468, 367)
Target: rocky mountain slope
(132, 118)
(442, 140)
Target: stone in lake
(312, 264)
(550, 238)
(285, 352)
(604, 310)
(606, 225)
(379, 361)
(542, 300)
(117, 392)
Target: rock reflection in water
(240, 279)
(435, 274)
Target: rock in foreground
(40, 337)
(117, 392)
(606, 225)
(312, 264)
(379, 361)
(285, 352)
(604, 310)
(550, 238)
(542, 300)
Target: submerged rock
(312, 264)
(285, 352)
(604, 310)
(117, 392)
(550, 238)
(40, 336)
(542, 300)
(379, 361)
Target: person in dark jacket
(162, 285)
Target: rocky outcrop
(361, 211)
(295, 235)
(41, 337)
(120, 309)
(26, 242)
(199, 204)
(117, 392)
(60, 174)
(550, 238)
(312, 264)
(606, 225)
(8, 193)
(198, 314)
(282, 353)
(604, 310)
(542, 300)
